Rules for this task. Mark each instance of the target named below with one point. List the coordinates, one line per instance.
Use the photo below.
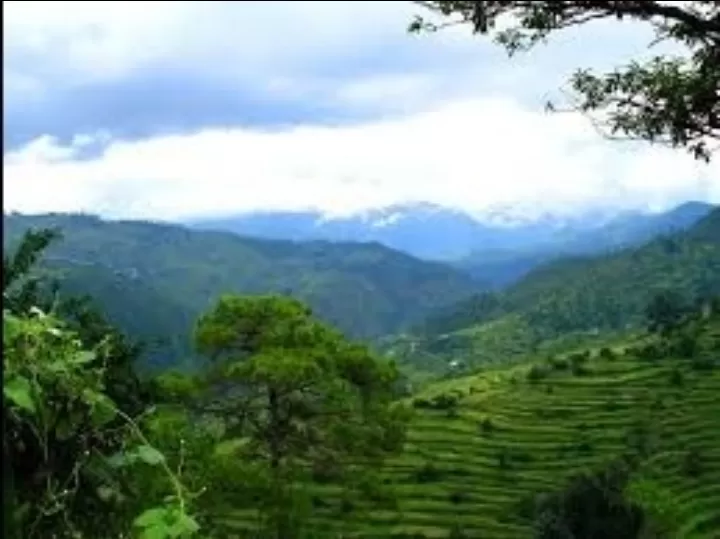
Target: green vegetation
(571, 303)
(608, 428)
(289, 430)
(153, 280)
(311, 405)
(485, 450)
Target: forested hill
(606, 292)
(154, 279)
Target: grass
(511, 437)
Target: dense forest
(153, 280)
(581, 296)
(310, 390)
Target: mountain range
(496, 250)
(154, 280)
(573, 298)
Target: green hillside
(481, 447)
(573, 300)
(154, 279)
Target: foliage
(64, 436)
(672, 100)
(154, 280)
(302, 396)
(592, 506)
(665, 312)
(603, 293)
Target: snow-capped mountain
(435, 232)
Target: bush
(421, 404)
(703, 364)
(607, 354)
(585, 446)
(428, 473)
(487, 426)
(558, 364)
(536, 373)
(445, 402)
(591, 505)
(677, 378)
(692, 465)
(503, 459)
(684, 345)
(580, 369)
(346, 506)
(456, 498)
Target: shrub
(428, 473)
(346, 506)
(677, 378)
(580, 369)
(536, 373)
(607, 354)
(585, 446)
(684, 345)
(702, 364)
(457, 497)
(421, 404)
(487, 426)
(692, 465)
(591, 505)
(504, 460)
(558, 364)
(445, 402)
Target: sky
(174, 110)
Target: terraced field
(467, 469)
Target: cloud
(470, 154)
(211, 107)
(140, 69)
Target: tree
(592, 506)
(665, 312)
(300, 397)
(675, 101)
(21, 289)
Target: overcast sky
(169, 110)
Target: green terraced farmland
(469, 468)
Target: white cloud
(452, 123)
(469, 154)
(357, 53)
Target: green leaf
(106, 493)
(19, 390)
(64, 429)
(84, 356)
(150, 455)
(161, 531)
(102, 408)
(151, 517)
(183, 526)
(120, 459)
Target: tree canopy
(669, 100)
(302, 399)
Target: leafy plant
(65, 439)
